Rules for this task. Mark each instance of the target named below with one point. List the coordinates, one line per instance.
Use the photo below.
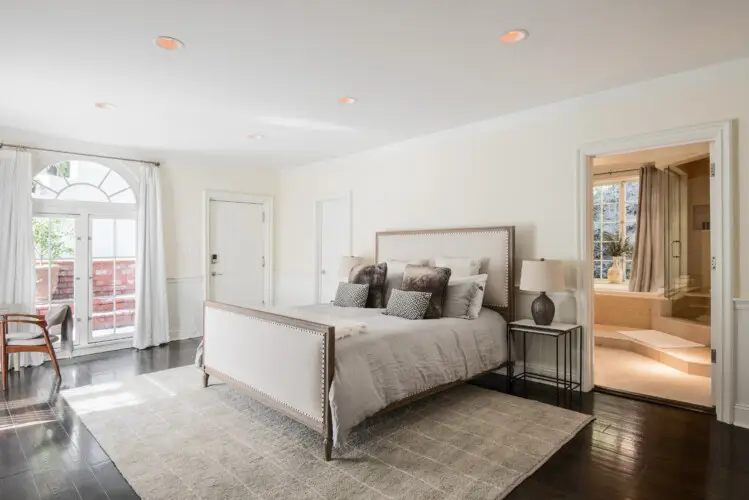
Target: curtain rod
(612, 172)
(154, 163)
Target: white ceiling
(278, 67)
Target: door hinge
(263, 260)
(713, 356)
(90, 238)
(713, 262)
(263, 217)
(712, 169)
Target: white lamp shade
(348, 262)
(542, 276)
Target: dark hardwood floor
(633, 450)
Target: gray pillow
(408, 305)
(428, 279)
(458, 297)
(351, 295)
(374, 276)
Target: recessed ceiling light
(514, 36)
(255, 137)
(104, 105)
(169, 43)
(347, 100)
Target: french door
(87, 261)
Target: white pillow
(478, 298)
(460, 266)
(399, 266)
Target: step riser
(667, 359)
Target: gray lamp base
(543, 310)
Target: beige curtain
(647, 260)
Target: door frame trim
(231, 196)
(722, 213)
(316, 224)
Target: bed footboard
(285, 363)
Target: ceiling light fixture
(255, 137)
(169, 43)
(347, 100)
(514, 36)
(104, 105)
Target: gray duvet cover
(397, 358)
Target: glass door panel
(672, 226)
(55, 254)
(112, 278)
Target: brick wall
(105, 280)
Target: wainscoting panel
(185, 297)
(741, 407)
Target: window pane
(631, 212)
(610, 229)
(611, 193)
(597, 270)
(606, 250)
(83, 192)
(113, 183)
(632, 190)
(54, 182)
(125, 230)
(610, 213)
(597, 251)
(631, 233)
(87, 172)
(102, 238)
(124, 197)
(605, 265)
(596, 212)
(40, 192)
(596, 231)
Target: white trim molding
(267, 202)
(720, 136)
(741, 332)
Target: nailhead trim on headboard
(505, 232)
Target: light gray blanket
(397, 357)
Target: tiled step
(693, 360)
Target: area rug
(171, 438)
(661, 340)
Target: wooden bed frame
(243, 360)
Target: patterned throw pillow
(351, 295)
(374, 276)
(428, 279)
(408, 305)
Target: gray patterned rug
(172, 439)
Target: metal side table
(559, 331)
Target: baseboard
(183, 334)
(741, 416)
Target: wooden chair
(11, 343)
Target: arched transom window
(81, 181)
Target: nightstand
(558, 331)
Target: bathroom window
(614, 212)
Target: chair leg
(5, 369)
(52, 357)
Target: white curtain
(151, 309)
(17, 268)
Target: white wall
(184, 178)
(517, 170)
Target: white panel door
(236, 251)
(334, 236)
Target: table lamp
(542, 276)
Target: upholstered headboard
(493, 246)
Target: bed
(298, 367)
